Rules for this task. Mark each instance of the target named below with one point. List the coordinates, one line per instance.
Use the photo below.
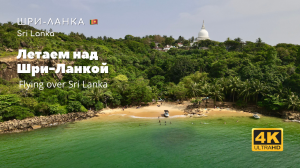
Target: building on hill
(168, 47)
(203, 34)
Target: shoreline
(28, 124)
(176, 111)
(151, 111)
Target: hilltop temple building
(203, 34)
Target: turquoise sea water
(123, 143)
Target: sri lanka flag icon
(94, 22)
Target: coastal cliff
(43, 121)
(8, 66)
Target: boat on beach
(166, 114)
(256, 116)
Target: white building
(203, 34)
(167, 47)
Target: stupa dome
(203, 34)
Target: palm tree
(234, 83)
(245, 90)
(258, 88)
(206, 91)
(224, 83)
(293, 100)
(259, 42)
(193, 89)
(97, 94)
(238, 39)
(107, 95)
(217, 91)
(281, 91)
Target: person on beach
(159, 121)
(161, 103)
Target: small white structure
(203, 34)
(167, 47)
(180, 45)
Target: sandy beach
(176, 110)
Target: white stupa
(203, 34)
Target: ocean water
(136, 142)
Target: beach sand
(175, 111)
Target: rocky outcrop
(290, 115)
(8, 66)
(43, 121)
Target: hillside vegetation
(242, 72)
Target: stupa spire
(203, 27)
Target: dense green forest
(233, 70)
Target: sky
(274, 21)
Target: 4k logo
(267, 139)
